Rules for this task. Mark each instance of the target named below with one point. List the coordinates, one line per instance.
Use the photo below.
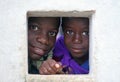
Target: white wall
(106, 30)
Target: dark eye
(52, 33)
(33, 27)
(85, 33)
(69, 32)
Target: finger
(40, 71)
(59, 67)
(52, 63)
(45, 71)
(43, 68)
(49, 68)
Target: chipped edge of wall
(55, 13)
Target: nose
(77, 38)
(42, 38)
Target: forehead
(76, 22)
(47, 20)
(84, 20)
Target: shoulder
(85, 65)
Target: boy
(42, 33)
(72, 49)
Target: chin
(77, 55)
(35, 57)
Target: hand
(50, 66)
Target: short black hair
(31, 19)
(67, 19)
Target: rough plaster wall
(13, 35)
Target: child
(42, 33)
(72, 49)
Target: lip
(77, 50)
(37, 51)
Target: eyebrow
(86, 26)
(67, 26)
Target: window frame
(64, 78)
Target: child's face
(76, 35)
(41, 36)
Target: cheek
(86, 44)
(67, 41)
(31, 37)
(52, 42)
(68, 38)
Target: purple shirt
(62, 54)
